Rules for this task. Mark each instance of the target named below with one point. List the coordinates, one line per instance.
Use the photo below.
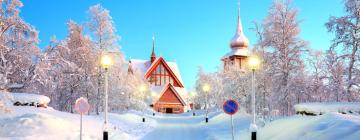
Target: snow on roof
(237, 52)
(141, 66)
(320, 108)
(28, 98)
(183, 93)
(157, 89)
(176, 70)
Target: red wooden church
(166, 83)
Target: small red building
(166, 83)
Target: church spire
(239, 40)
(153, 56)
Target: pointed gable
(161, 62)
(170, 95)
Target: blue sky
(191, 32)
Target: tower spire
(153, 56)
(239, 25)
(239, 40)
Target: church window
(160, 76)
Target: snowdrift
(37, 126)
(29, 123)
(330, 126)
(25, 98)
(321, 108)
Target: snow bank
(37, 126)
(27, 98)
(29, 123)
(321, 108)
(331, 126)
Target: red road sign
(81, 105)
(230, 107)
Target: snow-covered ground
(331, 126)
(28, 123)
(326, 107)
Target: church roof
(237, 52)
(142, 67)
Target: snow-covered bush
(23, 99)
(30, 99)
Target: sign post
(231, 107)
(82, 107)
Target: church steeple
(239, 40)
(236, 59)
(153, 56)
(130, 69)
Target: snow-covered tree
(65, 70)
(335, 71)
(80, 51)
(236, 85)
(102, 28)
(121, 84)
(18, 49)
(18, 46)
(104, 35)
(317, 76)
(281, 49)
(284, 47)
(347, 39)
(215, 96)
(263, 74)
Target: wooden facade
(165, 82)
(170, 101)
(160, 74)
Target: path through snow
(177, 128)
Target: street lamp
(106, 62)
(254, 63)
(154, 96)
(206, 89)
(142, 90)
(193, 94)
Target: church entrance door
(169, 110)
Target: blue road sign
(230, 107)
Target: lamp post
(206, 89)
(106, 62)
(193, 94)
(142, 90)
(254, 63)
(154, 96)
